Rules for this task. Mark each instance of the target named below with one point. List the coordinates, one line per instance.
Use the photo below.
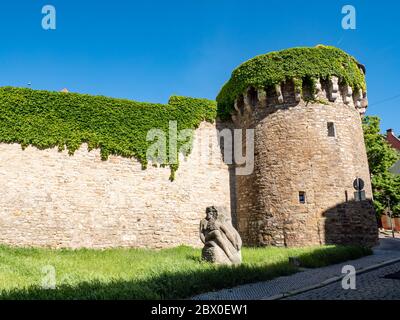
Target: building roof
(396, 168)
(393, 140)
(395, 143)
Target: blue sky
(149, 50)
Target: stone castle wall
(55, 200)
(293, 154)
(51, 199)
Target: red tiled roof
(393, 140)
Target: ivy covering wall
(296, 64)
(116, 126)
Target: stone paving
(389, 249)
(369, 286)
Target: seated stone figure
(222, 242)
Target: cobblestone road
(389, 249)
(369, 286)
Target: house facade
(394, 141)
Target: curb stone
(330, 280)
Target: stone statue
(222, 243)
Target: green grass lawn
(147, 274)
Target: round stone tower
(305, 106)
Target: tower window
(331, 129)
(302, 197)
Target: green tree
(381, 157)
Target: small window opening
(302, 197)
(240, 104)
(331, 129)
(252, 93)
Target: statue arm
(229, 235)
(233, 236)
(201, 232)
(202, 238)
(238, 240)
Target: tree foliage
(381, 157)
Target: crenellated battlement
(293, 92)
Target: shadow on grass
(183, 284)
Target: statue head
(211, 213)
